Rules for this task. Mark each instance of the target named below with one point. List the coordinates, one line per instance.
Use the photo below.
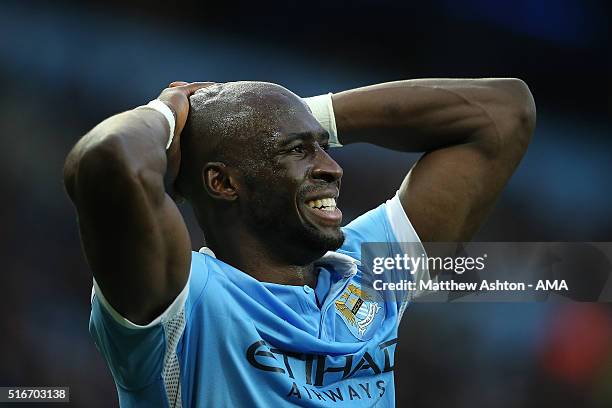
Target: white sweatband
(323, 111)
(168, 114)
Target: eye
(297, 149)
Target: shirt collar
(344, 265)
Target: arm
(133, 235)
(474, 133)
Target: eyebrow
(304, 135)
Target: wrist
(168, 113)
(322, 109)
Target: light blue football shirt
(229, 340)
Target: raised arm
(133, 235)
(474, 133)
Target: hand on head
(176, 96)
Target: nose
(326, 168)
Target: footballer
(276, 309)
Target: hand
(176, 96)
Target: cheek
(273, 192)
(280, 197)
(279, 183)
(287, 178)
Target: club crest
(360, 310)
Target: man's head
(254, 157)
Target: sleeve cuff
(404, 232)
(171, 311)
(322, 109)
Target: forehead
(253, 112)
(296, 122)
(280, 112)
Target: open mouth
(325, 211)
(325, 204)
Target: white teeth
(326, 204)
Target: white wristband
(168, 114)
(323, 111)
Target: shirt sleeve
(138, 356)
(388, 223)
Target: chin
(294, 236)
(325, 241)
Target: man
(277, 310)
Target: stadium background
(64, 67)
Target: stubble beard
(272, 219)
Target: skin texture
(252, 155)
(249, 190)
(474, 133)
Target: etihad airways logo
(314, 369)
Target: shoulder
(386, 223)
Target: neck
(247, 253)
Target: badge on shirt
(361, 310)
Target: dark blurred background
(66, 66)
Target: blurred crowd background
(66, 65)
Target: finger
(177, 83)
(194, 86)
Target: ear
(219, 181)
